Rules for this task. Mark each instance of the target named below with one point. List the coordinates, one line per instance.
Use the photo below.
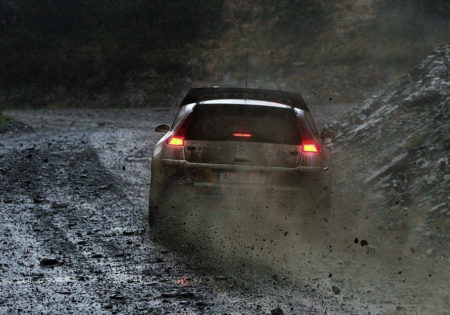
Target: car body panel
(213, 161)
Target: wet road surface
(73, 200)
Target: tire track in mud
(54, 220)
(47, 209)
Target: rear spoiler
(196, 95)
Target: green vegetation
(6, 123)
(5, 120)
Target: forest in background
(138, 53)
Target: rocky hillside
(395, 153)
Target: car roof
(198, 95)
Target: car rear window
(264, 124)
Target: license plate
(242, 178)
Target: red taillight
(175, 141)
(311, 147)
(179, 132)
(242, 135)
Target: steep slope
(395, 149)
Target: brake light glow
(310, 147)
(242, 135)
(175, 141)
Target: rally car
(236, 140)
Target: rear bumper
(243, 168)
(220, 188)
(275, 179)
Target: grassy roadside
(5, 120)
(8, 124)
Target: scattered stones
(336, 290)
(48, 262)
(277, 311)
(59, 205)
(201, 304)
(183, 295)
(38, 199)
(37, 277)
(117, 297)
(97, 256)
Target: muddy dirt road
(73, 199)
(75, 238)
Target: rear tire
(152, 206)
(151, 214)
